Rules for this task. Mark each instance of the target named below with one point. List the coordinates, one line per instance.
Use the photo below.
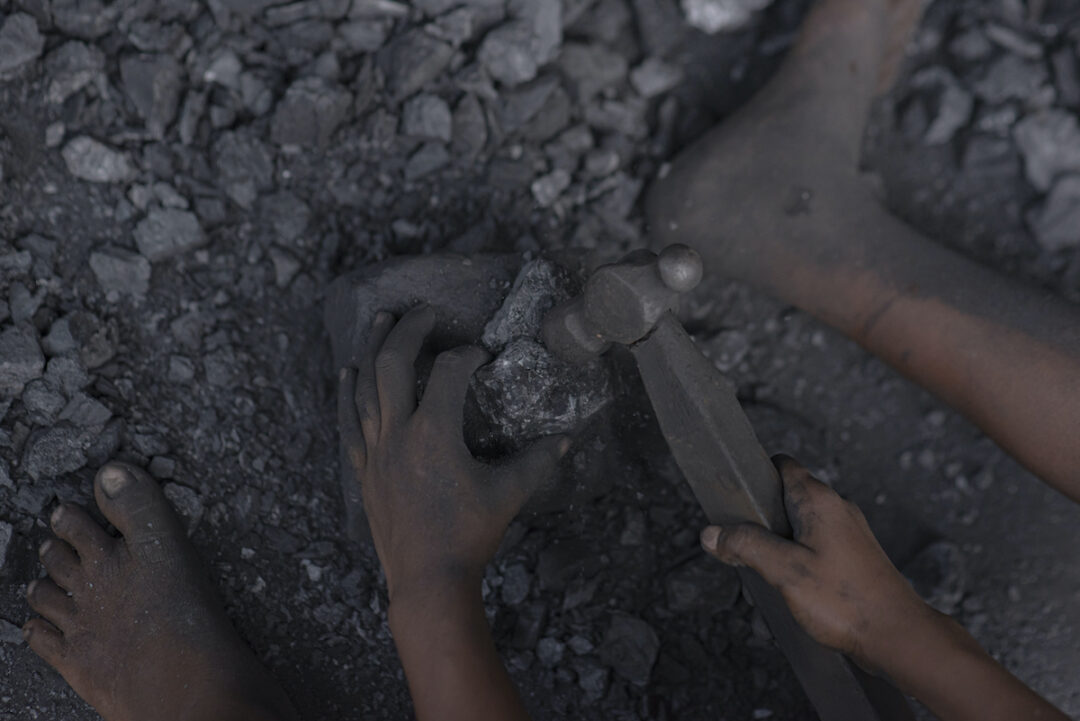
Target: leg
(773, 197)
(132, 623)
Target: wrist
(445, 595)
(904, 650)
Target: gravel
(20, 43)
(120, 272)
(166, 233)
(1057, 224)
(1050, 144)
(91, 160)
(21, 360)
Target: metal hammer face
(622, 302)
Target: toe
(134, 503)
(45, 640)
(74, 525)
(51, 601)
(61, 563)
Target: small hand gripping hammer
(633, 303)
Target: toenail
(57, 515)
(114, 480)
(30, 588)
(26, 633)
(45, 547)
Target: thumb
(533, 467)
(776, 559)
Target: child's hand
(437, 514)
(839, 584)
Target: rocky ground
(180, 180)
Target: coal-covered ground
(182, 179)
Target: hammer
(633, 303)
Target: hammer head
(622, 302)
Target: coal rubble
(180, 182)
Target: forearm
(449, 657)
(940, 664)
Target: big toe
(134, 502)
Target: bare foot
(132, 622)
(766, 190)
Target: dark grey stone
(364, 36)
(1012, 77)
(85, 412)
(591, 68)
(153, 83)
(413, 60)
(245, 166)
(20, 43)
(121, 272)
(54, 451)
(1067, 76)
(592, 679)
(165, 233)
(630, 648)
(1057, 224)
(285, 216)
(549, 652)
(21, 360)
(470, 132)
(310, 112)
(547, 188)
(5, 541)
(655, 77)
(93, 161)
(427, 117)
(42, 403)
(67, 373)
(507, 54)
(515, 585)
(426, 160)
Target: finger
(366, 398)
(395, 366)
(444, 399)
(802, 496)
(352, 438)
(778, 560)
(530, 469)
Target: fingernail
(710, 537)
(57, 514)
(26, 633)
(382, 317)
(45, 547)
(114, 480)
(30, 588)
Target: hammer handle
(735, 482)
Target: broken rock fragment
(21, 360)
(516, 50)
(630, 648)
(20, 43)
(70, 68)
(310, 112)
(165, 233)
(714, 16)
(96, 162)
(244, 166)
(539, 287)
(412, 61)
(153, 83)
(54, 451)
(121, 272)
(1050, 143)
(427, 117)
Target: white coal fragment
(427, 117)
(1057, 224)
(1050, 143)
(21, 360)
(153, 83)
(96, 162)
(120, 272)
(310, 112)
(655, 77)
(165, 233)
(20, 43)
(526, 392)
(714, 16)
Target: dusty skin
(132, 623)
